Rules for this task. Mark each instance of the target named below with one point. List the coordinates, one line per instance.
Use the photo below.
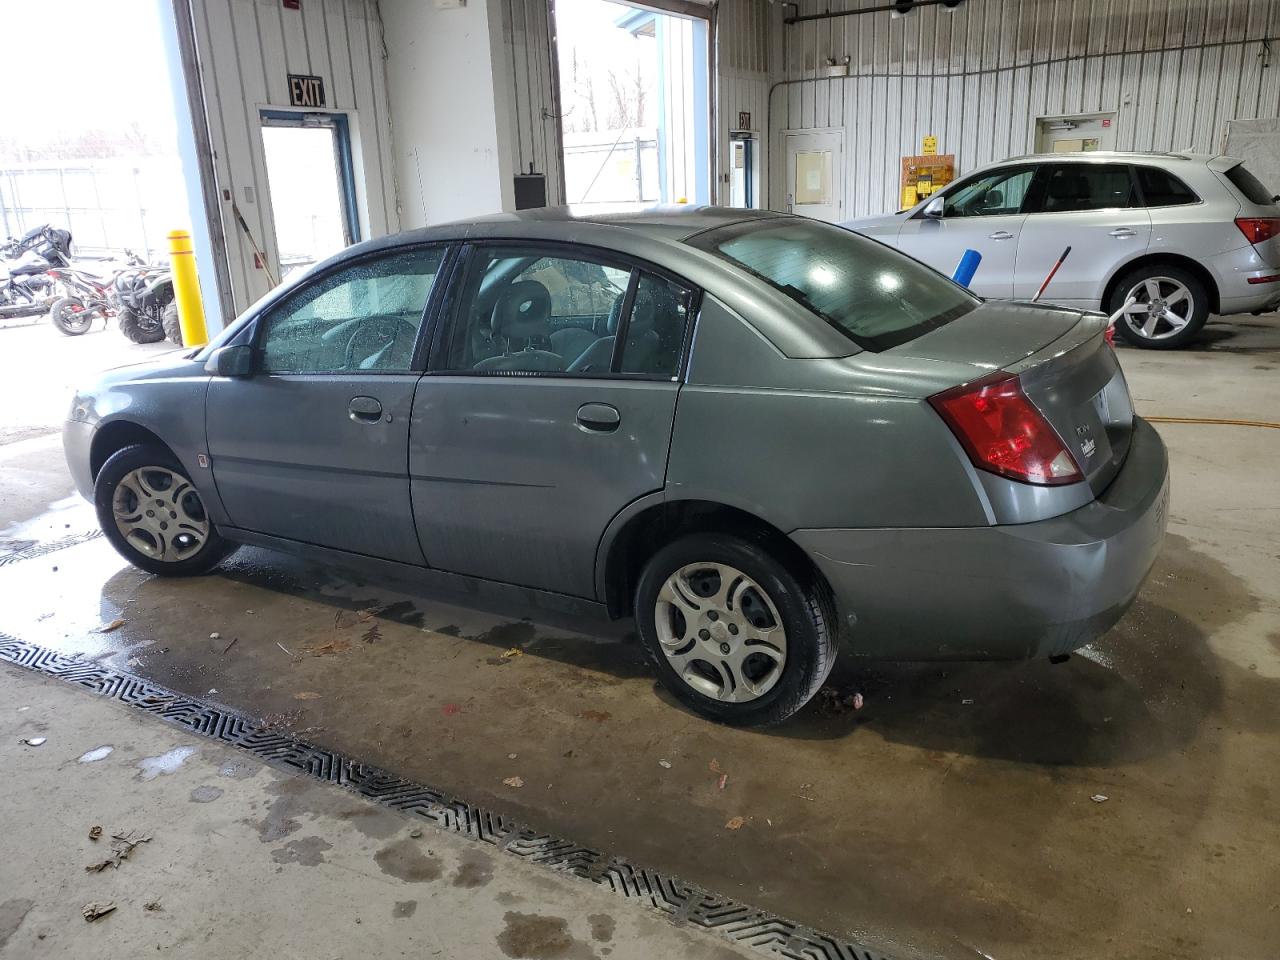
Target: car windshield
(877, 297)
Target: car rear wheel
(153, 515)
(733, 632)
(1169, 306)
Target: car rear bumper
(1000, 592)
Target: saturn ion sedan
(763, 437)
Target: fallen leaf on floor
(95, 909)
(714, 766)
(665, 764)
(514, 781)
(33, 741)
(372, 635)
(600, 716)
(735, 823)
(724, 778)
(513, 652)
(1099, 798)
(306, 695)
(511, 756)
(152, 905)
(95, 832)
(115, 624)
(122, 845)
(326, 649)
(451, 709)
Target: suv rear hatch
(1259, 218)
(1064, 367)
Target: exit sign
(305, 91)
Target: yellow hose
(1231, 423)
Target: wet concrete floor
(953, 816)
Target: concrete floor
(951, 817)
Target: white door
(815, 174)
(1092, 208)
(983, 213)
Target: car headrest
(522, 311)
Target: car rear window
(1252, 188)
(873, 294)
(1162, 189)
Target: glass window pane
(873, 294)
(998, 193)
(1086, 186)
(364, 317)
(1254, 190)
(523, 312)
(1162, 189)
(655, 332)
(813, 176)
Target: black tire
(1197, 315)
(138, 328)
(803, 605)
(70, 317)
(172, 327)
(140, 457)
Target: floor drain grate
(52, 546)
(679, 900)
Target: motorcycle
(88, 296)
(25, 285)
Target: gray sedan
(761, 436)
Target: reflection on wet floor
(982, 771)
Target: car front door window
(364, 317)
(998, 193)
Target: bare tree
(629, 98)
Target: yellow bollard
(186, 289)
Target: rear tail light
(1258, 229)
(1004, 433)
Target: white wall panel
(246, 49)
(1174, 71)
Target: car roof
(666, 221)
(1098, 156)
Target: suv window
(1066, 187)
(999, 192)
(871, 293)
(363, 317)
(525, 313)
(1253, 189)
(1160, 188)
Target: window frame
(426, 322)
(958, 185)
(1142, 195)
(450, 311)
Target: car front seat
(521, 316)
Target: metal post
(186, 289)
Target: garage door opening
(634, 105)
(309, 175)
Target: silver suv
(1169, 237)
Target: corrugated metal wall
(1174, 71)
(743, 42)
(534, 127)
(246, 50)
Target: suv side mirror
(934, 208)
(233, 361)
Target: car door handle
(1001, 235)
(365, 410)
(599, 417)
(1122, 233)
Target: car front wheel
(153, 515)
(734, 633)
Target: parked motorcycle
(25, 285)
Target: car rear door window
(1160, 188)
(359, 318)
(997, 193)
(1068, 187)
(655, 328)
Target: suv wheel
(1169, 306)
(152, 514)
(732, 632)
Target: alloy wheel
(721, 632)
(1158, 308)
(159, 514)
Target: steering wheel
(384, 329)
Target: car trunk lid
(1065, 367)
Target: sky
(83, 64)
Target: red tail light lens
(1258, 229)
(1004, 433)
